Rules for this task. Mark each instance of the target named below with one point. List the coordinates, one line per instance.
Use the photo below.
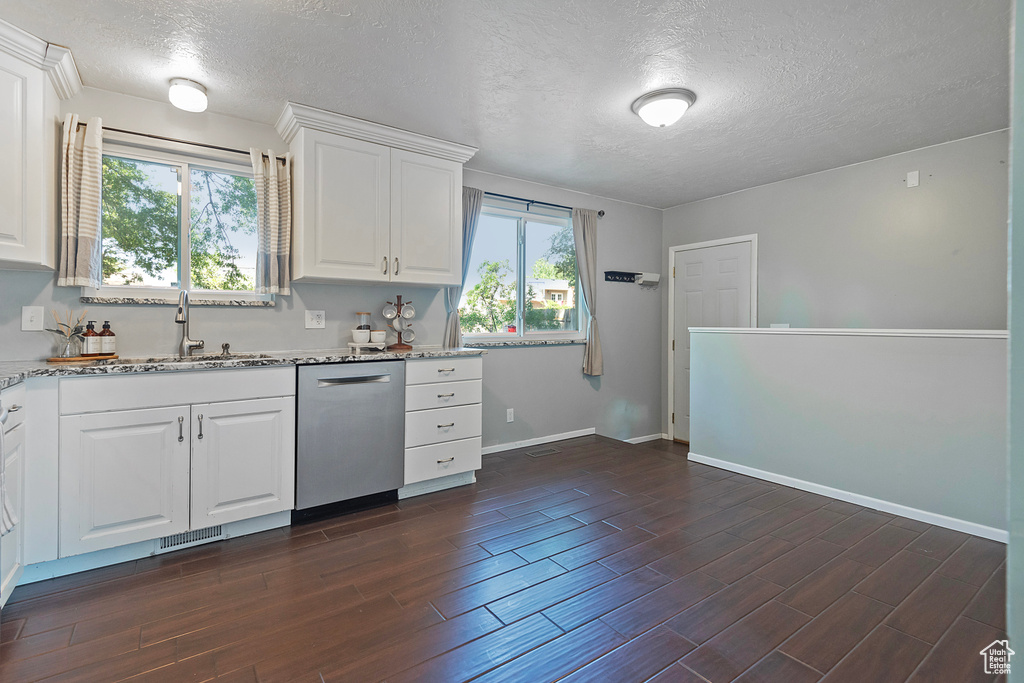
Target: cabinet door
(426, 219)
(123, 477)
(24, 238)
(12, 545)
(243, 460)
(342, 229)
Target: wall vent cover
(175, 541)
(542, 452)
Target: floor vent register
(543, 452)
(175, 541)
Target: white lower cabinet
(124, 477)
(136, 475)
(443, 418)
(237, 468)
(12, 544)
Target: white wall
(916, 421)
(545, 384)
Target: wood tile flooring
(602, 562)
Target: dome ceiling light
(660, 108)
(187, 94)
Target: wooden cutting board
(78, 360)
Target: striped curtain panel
(81, 178)
(584, 229)
(274, 221)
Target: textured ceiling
(543, 87)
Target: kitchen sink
(195, 358)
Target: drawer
(442, 459)
(442, 424)
(14, 398)
(443, 394)
(429, 370)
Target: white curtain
(81, 178)
(274, 221)
(584, 229)
(472, 203)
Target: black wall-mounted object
(619, 276)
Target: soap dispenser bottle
(108, 340)
(90, 340)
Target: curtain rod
(530, 202)
(178, 140)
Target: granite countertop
(14, 372)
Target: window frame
(185, 157)
(526, 212)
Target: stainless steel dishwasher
(350, 443)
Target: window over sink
(522, 281)
(174, 220)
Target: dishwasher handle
(360, 379)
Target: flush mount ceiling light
(188, 95)
(660, 108)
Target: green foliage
(544, 270)
(140, 226)
(563, 254)
(491, 303)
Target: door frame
(672, 252)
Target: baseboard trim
(644, 439)
(487, 450)
(135, 551)
(966, 527)
(441, 483)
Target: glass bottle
(90, 340)
(364, 320)
(108, 340)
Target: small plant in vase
(69, 334)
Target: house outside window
(173, 219)
(522, 280)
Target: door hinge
(673, 344)
(673, 418)
(673, 271)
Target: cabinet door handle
(396, 265)
(200, 426)
(181, 428)
(441, 462)
(384, 266)
(450, 424)
(446, 395)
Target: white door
(12, 545)
(426, 219)
(342, 197)
(711, 288)
(123, 477)
(243, 460)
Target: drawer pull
(446, 369)
(181, 426)
(446, 395)
(450, 424)
(441, 462)
(14, 408)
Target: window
(522, 280)
(173, 220)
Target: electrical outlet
(316, 320)
(32, 318)
(510, 415)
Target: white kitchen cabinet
(32, 76)
(443, 420)
(373, 203)
(124, 477)
(237, 468)
(127, 476)
(12, 544)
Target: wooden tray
(78, 360)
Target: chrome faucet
(187, 346)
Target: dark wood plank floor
(602, 562)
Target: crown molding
(55, 60)
(296, 116)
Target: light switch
(32, 318)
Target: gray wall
(1015, 552)
(545, 384)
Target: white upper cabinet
(33, 75)
(373, 203)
